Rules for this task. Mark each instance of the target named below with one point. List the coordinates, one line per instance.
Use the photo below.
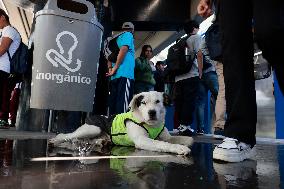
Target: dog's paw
(181, 149)
(57, 140)
(53, 142)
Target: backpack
(213, 42)
(178, 62)
(18, 63)
(111, 48)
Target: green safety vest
(118, 164)
(118, 129)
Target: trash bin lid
(51, 8)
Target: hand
(203, 8)
(111, 71)
(200, 74)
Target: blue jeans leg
(209, 81)
(200, 105)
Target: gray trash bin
(65, 59)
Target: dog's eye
(143, 102)
(157, 101)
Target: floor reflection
(166, 172)
(265, 108)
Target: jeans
(209, 81)
(140, 87)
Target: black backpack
(178, 62)
(213, 37)
(19, 63)
(111, 48)
(213, 42)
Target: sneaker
(219, 133)
(185, 130)
(200, 132)
(231, 150)
(4, 124)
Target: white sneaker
(231, 150)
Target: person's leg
(269, 29)
(238, 70)
(124, 94)
(138, 87)
(220, 108)
(113, 96)
(3, 78)
(6, 93)
(177, 99)
(211, 82)
(14, 104)
(185, 97)
(190, 87)
(200, 104)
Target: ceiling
(22, 19)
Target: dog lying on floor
(142, 127)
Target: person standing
(209, 78)
(159, 77)
(144, 76)
(186, 85)
(204, 10)
(9, 42)
(267, 15)
(122, 72)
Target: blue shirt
(126, 68)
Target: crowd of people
(232, 120)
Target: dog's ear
(136, 101)
(166, 100)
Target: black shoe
(200, 132)
(219, 133)
(185, 131)
(4, 124)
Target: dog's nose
(152, 113)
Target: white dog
(142, 127)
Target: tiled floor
(198, 170)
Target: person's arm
(194, 42)
(122, 52)
(5, 44)
(200, 63)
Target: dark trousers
(185, 94)
(237, 44)
(121, 93)
(4, 95)
(14, 104)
